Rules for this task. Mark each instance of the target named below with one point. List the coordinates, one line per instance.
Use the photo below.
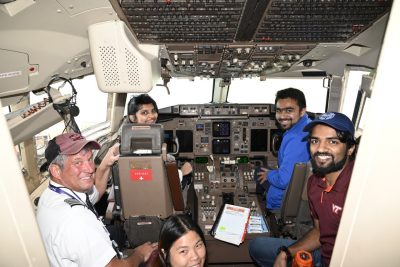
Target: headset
(67, 108)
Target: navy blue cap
(335, 120)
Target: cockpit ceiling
(242, 38)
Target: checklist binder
(231, 224)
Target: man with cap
(332, 143)
(71, 230)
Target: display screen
(185, 138)
(204, 139)
(259, 140)
(221, 129)
(221, 146)
(201, 160)
(243, 160)
(199, 127)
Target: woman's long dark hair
(136, 102)
(174, 228)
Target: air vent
(119, 62)
(133, 71)
(109, 65)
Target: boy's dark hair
(292, 93)
(348, 139)
(136, 102)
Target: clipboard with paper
(232, 224)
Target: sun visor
(120, 64)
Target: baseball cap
(335, 120)
(67, 144)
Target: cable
(68, 110)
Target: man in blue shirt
(292, 117)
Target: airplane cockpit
(223, 143)
(213, 67)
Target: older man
(331, 142)
(71, 230)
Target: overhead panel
(252, 14)
(183, 21)
(247, 38)
(318, 20)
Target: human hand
(262, 175)
(186, 168)
(281, 260)
(111, 156)
(144, 251)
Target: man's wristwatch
(286, 250)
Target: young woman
(181, 243)
(143, 109)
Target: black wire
(71, 123)
(64, 110)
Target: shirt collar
(343, 179)
(299, 125)
(81, 195)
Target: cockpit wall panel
(52, 36)
(14, 76)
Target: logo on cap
(75, 137)
(326, 116)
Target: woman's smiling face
(188, 251)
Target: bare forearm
(131, 261)
(309, 242)
(102, 175)
(140, 254)
(103, 171)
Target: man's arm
(294, 151)
(140, 254)
(262, 175)
(309, 242)
(103, 170)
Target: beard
(285, 124)
(332, 167)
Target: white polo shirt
(73, 236)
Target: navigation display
(259, 140)
(221, 146)
(221, 129)
(185, 138)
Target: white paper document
(232, 224)
(256, 225)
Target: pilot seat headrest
(139, 139)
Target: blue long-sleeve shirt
(293, 149)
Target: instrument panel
(220, 129)
(224, 143)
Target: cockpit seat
(283, 221)
(147, 184)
